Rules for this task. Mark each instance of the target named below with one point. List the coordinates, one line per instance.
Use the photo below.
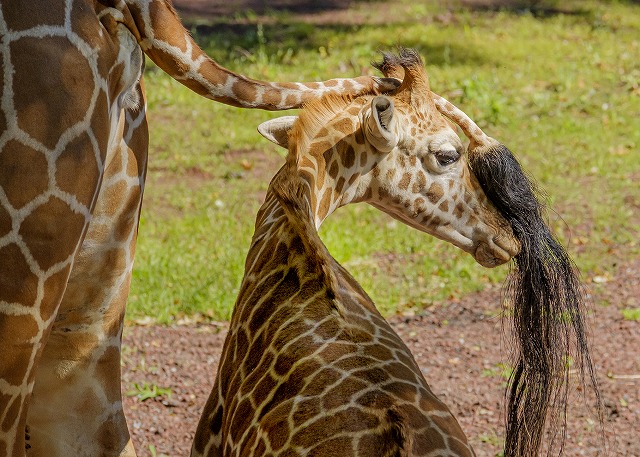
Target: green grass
(631, 314)
(561, 90)
(144, 391)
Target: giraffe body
(316, 369)
(309, 366)
(73, 157)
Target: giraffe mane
(312, 118)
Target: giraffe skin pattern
(73, 159)
(309, 366)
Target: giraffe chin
(491, 256)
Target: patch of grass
(491, 438)
(154, 452)
(145, 391)
(631, 314)
(400, 267)
(562, 91)
(501, 370)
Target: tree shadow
(217, 8)
(252, 38)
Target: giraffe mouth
(498, 251)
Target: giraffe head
(399, 154)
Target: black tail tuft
(548, 309)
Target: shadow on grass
(214, 9)
(266, 30)
(251, 39)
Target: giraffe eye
(447, 156)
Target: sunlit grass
(561, 91)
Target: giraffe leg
(47, 191)
(22, 332)
(76, 407)
(77, 404)
(37, 247)
(60, 96)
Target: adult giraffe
(73, 155)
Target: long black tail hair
(548, 308)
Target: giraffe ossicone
(309, 366)
(73, 160)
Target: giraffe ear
(380, 126)
(277, 130)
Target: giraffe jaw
(489, 250)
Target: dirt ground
(458, 345)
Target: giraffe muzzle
(497, 251)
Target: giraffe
(309, 366)
(73, 158)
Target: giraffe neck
(287, 217)
(330, 157)
(286, 242)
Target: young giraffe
(309, 366)
(73, 155)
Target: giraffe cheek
(419, 206)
